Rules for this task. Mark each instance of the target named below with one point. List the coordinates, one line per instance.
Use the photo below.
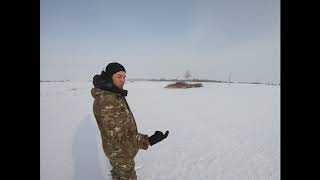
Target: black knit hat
(113, 68)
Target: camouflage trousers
(123, 170)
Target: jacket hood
(104, 82)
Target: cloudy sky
(161, 38)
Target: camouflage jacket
(120, 137)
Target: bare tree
(187, 74)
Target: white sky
(161, 39)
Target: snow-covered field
(219, 131)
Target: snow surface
(219, 131)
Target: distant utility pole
(229, 77)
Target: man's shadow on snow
(88, 159)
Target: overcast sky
(161, 38)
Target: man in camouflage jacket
(121, 140)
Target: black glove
(157, 137)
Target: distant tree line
(54, 80)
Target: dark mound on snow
(184, 85)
